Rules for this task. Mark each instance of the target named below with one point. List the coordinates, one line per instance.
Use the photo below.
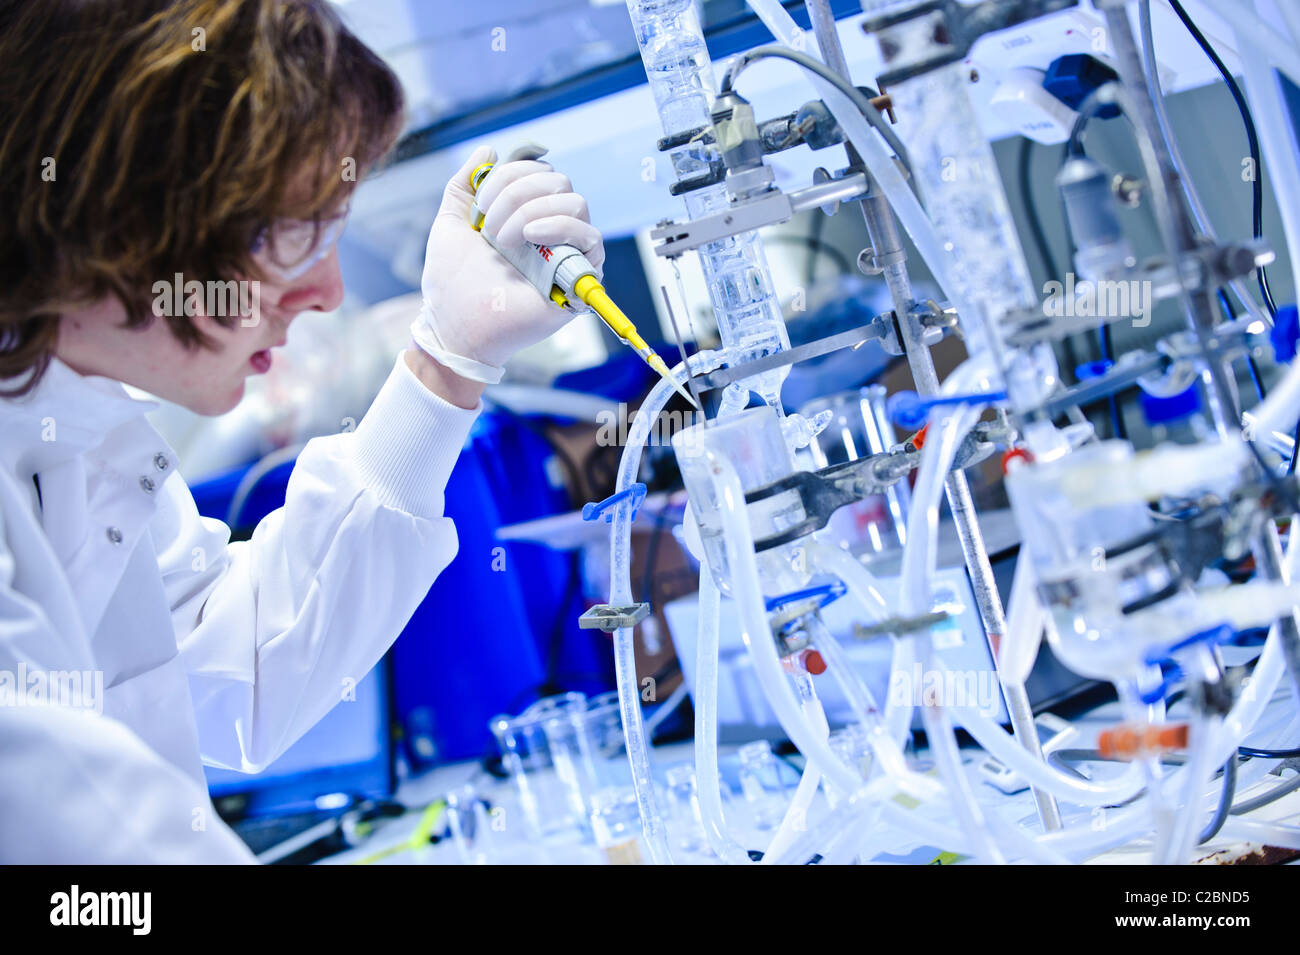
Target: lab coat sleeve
(277, 630)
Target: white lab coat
(209, 652)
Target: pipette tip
(686, 394)
(658, 364)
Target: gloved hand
(478, 309)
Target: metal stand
(889, 252)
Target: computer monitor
(346, 754)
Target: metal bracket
(609, 618)
(822, 493)
(766, 208)
(878, 327)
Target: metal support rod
(966, 521)
(1201, 307)
(887, 243)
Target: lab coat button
(114, 535)
(160, 461)
(146, 484)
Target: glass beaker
(587, 752)
(471, 830)
(684, 808)
(761, 783)
(525, 751)
(616, 825)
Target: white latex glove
(478, 309)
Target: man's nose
(319, 289)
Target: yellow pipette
(563, 274)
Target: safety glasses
(290, 248)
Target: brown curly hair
(144, 138)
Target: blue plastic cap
(1284, 334)
(1161, 410)
(907, 410)
(1072, 77)
(1093, 369)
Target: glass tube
(753, 443)
(680, 72)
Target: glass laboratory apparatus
(616, 825)
(753, 444)
(1097, 564)
(859, 427)
(677, 64)
(585, 746)
(547, 802)
(761, 784)
(684, 808)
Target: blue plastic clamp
(634, 494)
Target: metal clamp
(609, 617)
(822, 493)
(767, 208)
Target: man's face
(208, 381)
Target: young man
(217, 140)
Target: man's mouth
(261, 361)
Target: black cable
(1256, 379)
(1252, 139)
(814, 245)
(1269, 753)
(1116, 419)
(1036, 231)
(551, 683)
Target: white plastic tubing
(796, 814)
(708, 783)
(794, 719)
(620, 546)
(753, 618)
(1272, 43)
(708, 786)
